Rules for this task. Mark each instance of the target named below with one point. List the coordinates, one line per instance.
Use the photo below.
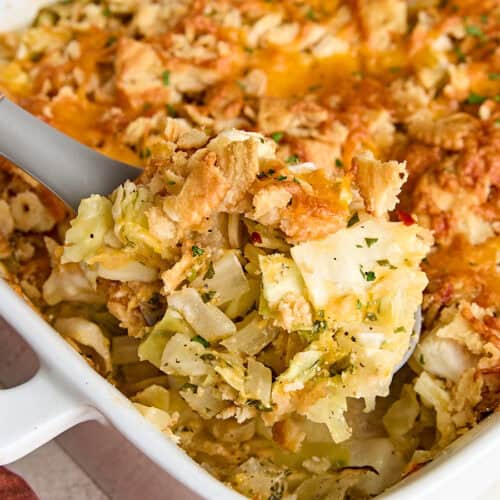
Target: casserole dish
(67, 412)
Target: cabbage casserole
(316, 174)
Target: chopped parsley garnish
(484, 18)
(111, 41)
(460, 55)
(189, 387)
(421, 359)
(400, 329)
(296, 180)
(359, 304)
(370, 241)
(106, 12)
(497, 122)
(292, 159)
(171, 183)
(208, 296)
(146, 107)
(319, 325)
(494, 76)
(256, 403)
(277, 136)
(474, 98)
(371, 316)
(476, 31)
(313, 88)
(145, 153)
(165, 77)
(353, 220)
(367, 275)
(281, 178)
(210, 272)
(201, 340)
(207, 357)
(197, 251)
(171, 111)
(311, 15)
(385, 263)
(339, 163)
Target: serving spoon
(66, 167)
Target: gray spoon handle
(70, 169)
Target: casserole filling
(314, 172)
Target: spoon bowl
(66, 167)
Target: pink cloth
(13, 487)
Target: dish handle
(33, 413)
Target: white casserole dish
(67, 391)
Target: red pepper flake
(406, 218)
(255, 237)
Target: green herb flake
(313, 88)
(483, 18)
(292, 159)
(171, 111)
(311, 15)
(476, 31)
(146, 107)
(460, 55)
(207, 357)
(370, 241)
(106, 12)
(110, 41)
(201, 340)
(371, 316)
(210, 272)
(359, 304)
(145, 153)
(189, 387)
(497, 122)
(197, 251)
(281, 178)
(494, 76)
(319, 325)
(208, 296)
(474, 98)
(421, 359)
(400, 329)
(367, 275)
(165, 77)
(171, 183)
(385, 263)
(297, 181)
(339, 163)
(256, 403)
(277, 136)
(354, 219)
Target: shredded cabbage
(88, 334)
(206, 319)
(154, 395)
(251, 338)
(88, 229)
(228, 280)
(182, 356)
(152, 347)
